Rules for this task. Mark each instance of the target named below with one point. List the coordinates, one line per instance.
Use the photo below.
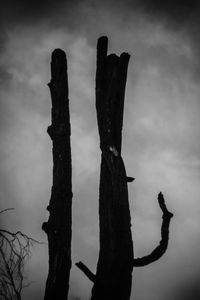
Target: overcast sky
(161, 135)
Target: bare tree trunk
(58, 227)
(114, 269)
(113, 279)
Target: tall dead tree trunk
(113, 277)
(58, 227)
(114, 269)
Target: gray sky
(161, 137)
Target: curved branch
(162, 247)
(86, 271)
(4, 210)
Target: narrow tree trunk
(58, 227)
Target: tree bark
(158, 252)
(114, 268)
(58, 227)
(113, 278)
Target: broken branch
(158, 252)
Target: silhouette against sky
(161, 134)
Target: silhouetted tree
(14, 252)
(113, 277)
(58, 227)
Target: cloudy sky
(161, 137)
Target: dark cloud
(74, 14)
(26, 11)
(180, 15)
(190, 290)
(176, 11)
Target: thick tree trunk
(58, 227)
(113, 278)
(115, 264)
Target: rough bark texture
(114, 268)
(58, 227)
(113, 278)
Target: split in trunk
(113, 277)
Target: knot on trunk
(58, 131)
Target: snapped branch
(162, 247)
(86, 271)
